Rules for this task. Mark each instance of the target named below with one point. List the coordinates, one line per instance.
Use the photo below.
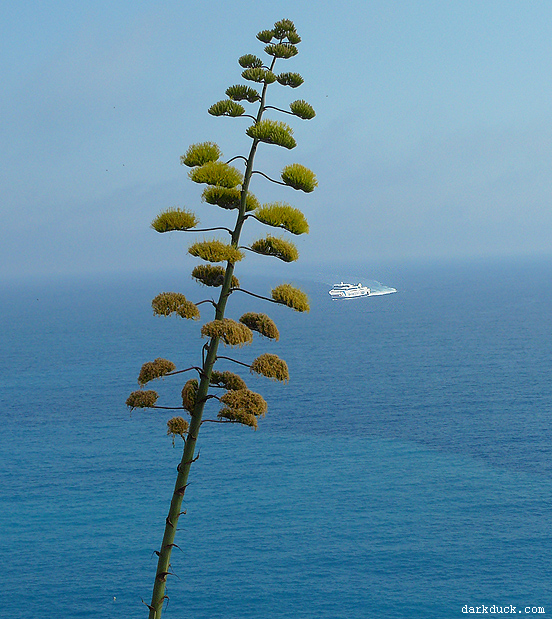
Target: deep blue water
(404, 472)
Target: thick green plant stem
(163, 564)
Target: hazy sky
(432, 138)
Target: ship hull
(349, 291)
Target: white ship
(349, 291)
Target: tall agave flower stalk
(228, 188)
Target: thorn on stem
(192, 460)
(162, 576)
(181, 491)
(150, 607)
(187, 462)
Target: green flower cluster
(272, 132)
(250, 61)
(293, 80)
(227, 107)
(302, 109)
(215, 251)
(261, 76)
(216, 173)
(283, 29)
(281, 50)
(279, 248)
(282, 215)
(299, 177)
(199, 154)
(286, 294)
(242, 93)
(174, 219)
(228, 198)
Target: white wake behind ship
(349, 291)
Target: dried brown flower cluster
(142, 399)
(271, 366)
(155, 369)
(261, 323)
(244, 406)
(229, 331)
(168, 303)
(177, 426)
(189, 395)
(210, 275)
(228, 380)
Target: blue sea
(404, 472)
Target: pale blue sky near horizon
(432, 138)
